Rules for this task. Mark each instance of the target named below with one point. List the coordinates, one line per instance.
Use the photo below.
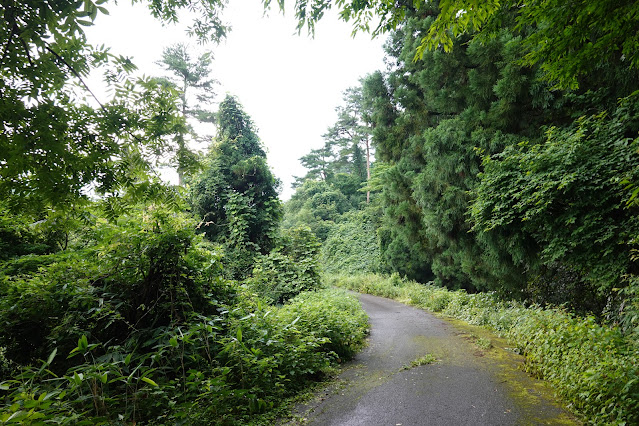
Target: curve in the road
(466, 386)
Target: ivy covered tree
(435, 119)
(236, 194)
(318, 205)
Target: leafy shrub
(316, 204)
(146, 275)
(20, 235)
(351, 246)
(329, 313)
(289, 270)
(592, 366)
(139, 325)
(218, 369)
(146, 272)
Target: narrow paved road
(466, 386)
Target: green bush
(331, 314)
(145, 273)
(22, 234)
(140, 278)
(592, 366)
(221, 369)
(289, 270)
(351, 246)
(140, 325)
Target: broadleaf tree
(592, 33)
(55, 144)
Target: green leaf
(83, 343)
(149, 381)
(50, 359)
(77, 378)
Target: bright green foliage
(563, 196)
(116, 312)
(137, 324)
(317, 205)
(19, 236)
(213, 370)
(345, 327)
(236, 194)
(593, 367)
(136, 280)
(352, 246)
(289, 269)
(423, 360)
(568, 40)
(53, 142)
(143, 274)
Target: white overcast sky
(288, 84)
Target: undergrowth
(592, 366)
(137, 324)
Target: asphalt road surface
(467, 385)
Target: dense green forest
(490, 173)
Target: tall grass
(593, 367)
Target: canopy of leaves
(55, 142)
(568, 40)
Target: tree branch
(6, 46)
(76, 74)
(26, 50)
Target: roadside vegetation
(138, 323)
(503, 186)
(592, 367)
(490, 173)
